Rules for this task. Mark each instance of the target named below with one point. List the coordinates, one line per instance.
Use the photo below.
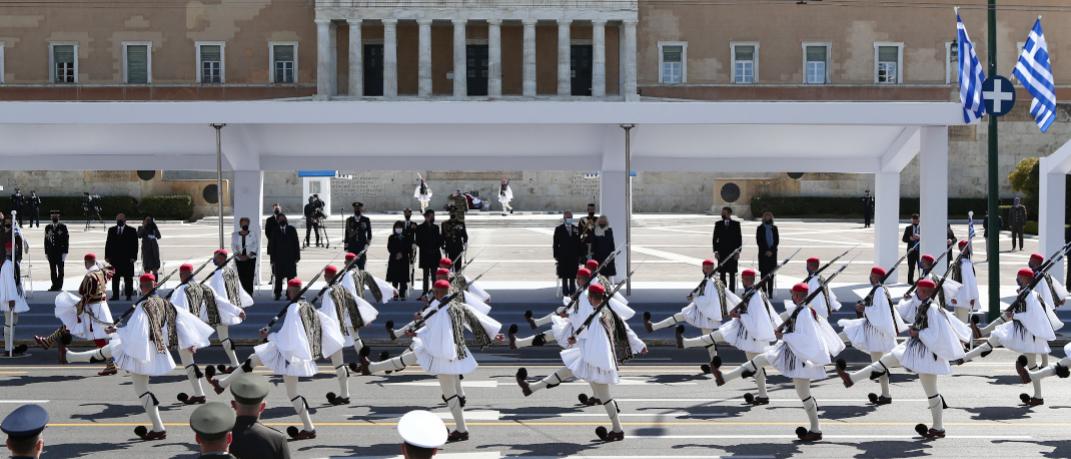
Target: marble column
(529, 69)
(629, 61)
(323, 56)
(565, 73)
(332, 58)
(460, 76)
(598, 60)
(494, 58)
(424, 64)
(390, 58)
(356, 59)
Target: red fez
(928, 258)
(295, 282)
(446, 262)
(350, 256)
(90, 257)
(331, 269)
(926, 283)
(1037, 257)
(583, 272)
(147, 278)
(1026, 272)
(878, 270)
(813, 261)
(800, 288)
(597, 289)
(220, 252)
(708, 262)
(748, 273)
(445, 285)
(962, 244)
(592, 265)
(442, 272)
(186, 267)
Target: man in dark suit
(57, 244)
(912, 235)
(430, 242)
(358, 233)
(767, 238)
(567, 247)
(121, 251)
(17, 204)
(951, 243)
(285, 254)
(868, 209)
(727, 238)
(312, 213)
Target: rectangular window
(1, 62)
(136, 58)
(210, 63)
(64, 59)
(816, 64)
(888, 63)
(951, 61)
(284, 63)
(745, 63)
(672, 62)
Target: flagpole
(993, 245)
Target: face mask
(120, 222)
(591, 214)
(397, 231)
(767, 221)
(245, 227)
(282, 224)
(278, 212)
(55, 219)
(568, 221)
(603, 225)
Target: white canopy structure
(1052, 208)
(877, 138)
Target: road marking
(465, 384)
(835, 437)
(772, 400)
(21, 402)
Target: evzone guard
(352, 313)
(422, 194)
(967, 300)
(307, 335)
(562, 318)
(142, 347)
(599, 344)
(439, 348)
(876, 328)
(806, 343)
(936, 339)
(206, 304)
(709, 301)
(467, 290)
(750, 328)
(228, 289)
(85, 315)
(826, 302)
(594, 267)
(1051, 294)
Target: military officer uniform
(455, 238)
(358, 233)
(458, 206)
(251, 439)
(57, 244)
(23, 428)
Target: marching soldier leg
(9, 329)
(358, 343)
(616, 432)
(550, 382)
(151, 405)
(873, 371)
(745, 370)
(398, 363)
(810, 406)
(1028, 364)
(760, 384)
(194, 375)
(982, 350)
(706, 340)
(449, 384)
(537, 340)
(96, 355)
(301, 407)
(989, 328)
(886, 397)
(395, 332)
(1062, 368)
(342, 374)
(224, 334)
(460, 392)
(540, 321)
(222, 384)
(937, 406)
(665, 323)
(963, 314)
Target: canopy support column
(933, 193)
(1051, 212)
(886, 218)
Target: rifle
(218, 269)
(870, 296)
(445, 301)
(338, 278)
(130, 311)
(921, 324)
(935, 261)
(827, 264)
(598, 310)
(576, 295)
(732, 255)
(1039, 274)
(302, 292)
(192, 276)
(742, 305)
(791, 321)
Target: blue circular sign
(998, 95)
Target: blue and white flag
(970, 75)
(1035, 73)
(970, 229)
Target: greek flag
(970, 76)
(1035, 73)
(970, 226)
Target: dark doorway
(476, 69)
(373, 70)
(580, 64)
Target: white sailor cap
(422, 429)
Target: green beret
(212, 420)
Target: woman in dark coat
(400, 249)
(602, 245)
(149, 234)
